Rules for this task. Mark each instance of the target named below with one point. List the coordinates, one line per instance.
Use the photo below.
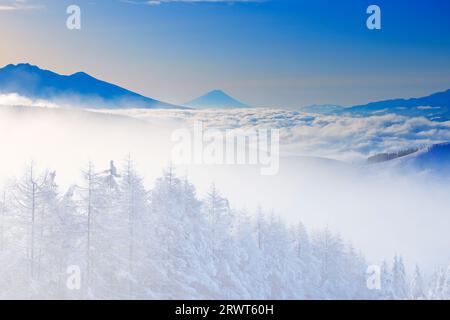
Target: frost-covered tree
(329, 251)
(446, 289)
(386, 292)
(182, 240)
(133, 209)
(440, 284)
(12, 253)
(260, 227)
(29, 200)
(355, 286)
(307, 263)
(418, 291)
(168, 243)
(50, 239)
(399, 279)
(219, 214)
(95, 197)
(282, 265)
(249, 257)
(3, 225)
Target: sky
(285, 53)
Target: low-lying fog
(382, 212)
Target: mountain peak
(26, 66)
(33, 82)
(216, 99)
(80, 74)
(217, 92)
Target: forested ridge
(169, 243)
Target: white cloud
(16, 5)
(13, 99)
(344, 138)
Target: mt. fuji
(215, 99)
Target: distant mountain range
(322, 108)
(435, 107)
(215, 99)
(83, 90)
(79, 88)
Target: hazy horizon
(265, 53)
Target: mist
(322, 179)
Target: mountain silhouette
(79, 89)
(434, 107)
(215, 99)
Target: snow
(172, 235)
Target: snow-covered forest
(169, 243)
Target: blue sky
(277, 53)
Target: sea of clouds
(341, 137)
(381, 211)
(344, 137)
